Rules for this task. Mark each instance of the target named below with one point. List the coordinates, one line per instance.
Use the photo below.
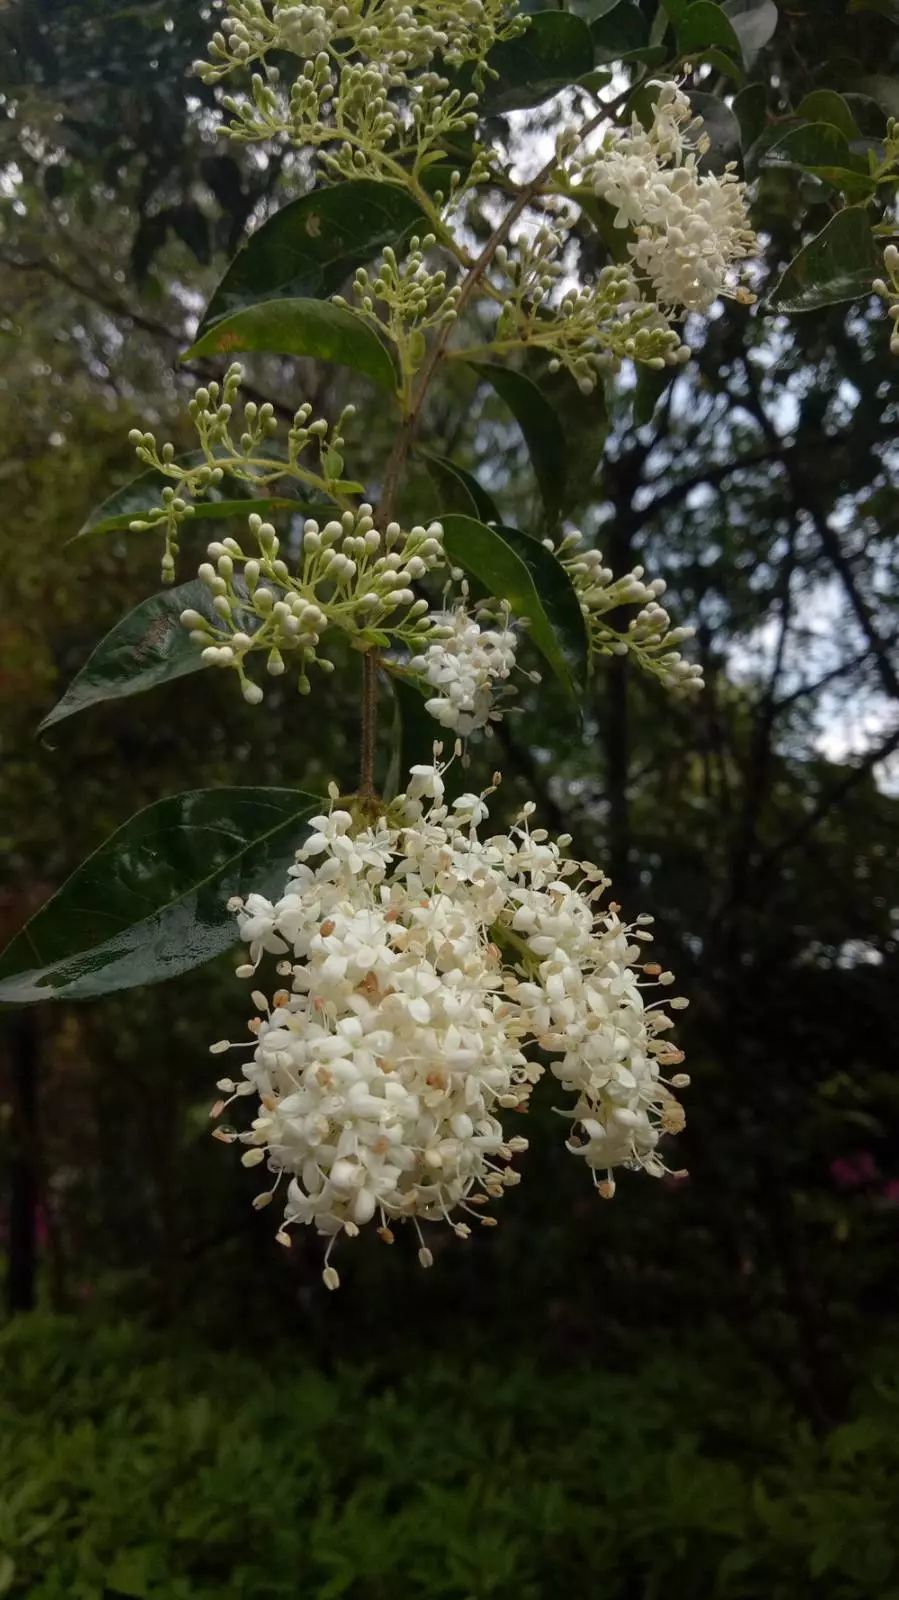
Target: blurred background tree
(760, 825)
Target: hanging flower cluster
(649, 638)
(690, 227)
(423, 966)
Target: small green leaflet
(301, 328)
(151, 903)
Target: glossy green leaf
(839, 264)
(621, 31)
(540, 426)
(823, 151)
(313, 328)
(142, 494)
(151, 903)
(147, 648)
(311, 245)
(459, 490)
(754, 23)
(519, 569)
(721, 61)
(703, 24)
(584, 420)
(825, 105)
(554, 51)
(675, 8)
(751, 110)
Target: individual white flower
(464, 665)
(427, 968)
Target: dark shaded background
(692, 1389)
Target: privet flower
(690, 227)
(422, 968)
(465, 666)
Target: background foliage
(687, 1389)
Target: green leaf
(823, 151)
(753, 22)
(519, 569)
(459, 490)
(145, 649)
(703, 23)
(554, 51)
(301, 328)
(620, 31)
(311, 245)
(142, 494)
(588, 9)
(839, 264)
(584, 420)
(825, 105)
(751, 109)
(881, 88)
(540, 425)
(721, 61)
(151, 903)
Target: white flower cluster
(426, 966)
(349, 576)
(888, 289)
(690, 227)
(649, 638)
(464, 666)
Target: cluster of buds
(888, 289)
(425, 972)
(587, 329)
(405, 299)
(649, 638)
(243, 464)
(348, 576)
(368, 80)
